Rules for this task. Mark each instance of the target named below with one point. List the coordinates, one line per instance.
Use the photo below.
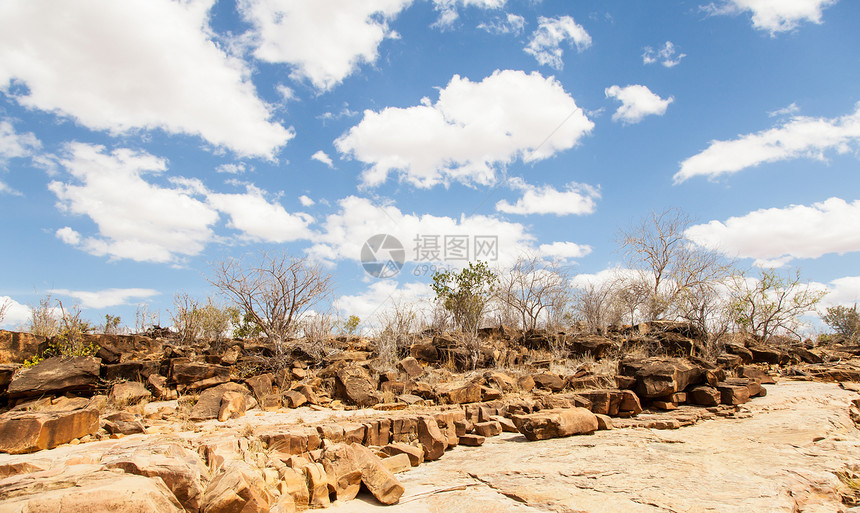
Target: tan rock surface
(779, 457)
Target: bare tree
(672, 266)
(771, 304)
(44, 320)
(534, 289)
(274, 290)
(4, 309)
(596, 304)
(397, 327)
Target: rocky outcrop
(661, 376)
(56, 376)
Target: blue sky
(142, 140)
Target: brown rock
(415, 454)
(158, 384)
(341, 466)
(261, 385)
(123, 423)
(56, 376)
(397, 463)
(376, 477)
(411, 367)
(186, 372)
(472, 440)
(733, 394)
(526, 383)
(491, 428)
(431, 439)
(604, 422)
(661, 376)
(24, 432)
(704, 396)
(357, 386)
(128, 393)
(556, 423)
(318, 481)
(239, 488)
(233, 405)
(16, 347)
(549, 381)
(294, 485)
(208, 405)
(293, 399)
(630, 403)
(470, 393)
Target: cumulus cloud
(775, 236)
(842, 291)
(665, 55)
(473, 128)
(774, 15)
(139, 220)
(564, 250)
(106, 298)
(258, 219)
(788, 110)
(306, 201)
(637, 101)
(423, 236)
(574, 199)
(120, 66)
(323, 157)
(800, 136)
(231, 169)
(16, 314)
(382, 296)
(546, 41)
(510, 24)
(323, 40)
(14, 145)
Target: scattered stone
(233, 405)
(261, 385)
(129, 393)
(208, 405)
(411, 367)
(123, 423)
(491, 428)
(733, 394)
(415, 454)
(470, 393)
(705, 396)
(604, 422)
(293, 399)
(240, 488)
(472, 440)
(357, 386)
(397, 463)
(431, 439)
(549, 381)
(376, 477)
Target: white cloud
(574, 199)
(142, 221)
(564, 250)
(637, 101)
(473, 128)
(774, 15)
(775, 236)
(843, 291)
(120, 66)
(258, 219)
(106, 298)
(323, 157)
(800, 136)
(788, 110)
(286, 92)
(17, 315)
(231, 169)
(382, 296)
(449, 9)
(135, 219)
(665, 55)
(324, 40)
(545, 44)
(359, 219)
(511, 24)
(306, 201)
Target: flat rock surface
(779, 455)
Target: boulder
(768, 355)
(208, 405)
(261, 384)
(186, 372)
(239, 488)
(594, 345)
(489, 428)
(233, 405)
(318, 483)
(472, 440)
(87, 488)
(128, 393)
(704, 395)
(24, 432)
(741, 351)
(135, 370)
(549, 381)
(556, 423)
(411, 367)
(56, 376)
(293, 399)
(415, 454)
(661, 376)
(470, 393)
(356, 385)
(343, 470)
(158, 384)
(431, 438)
(123, 423)
(733, 394)
(376, 477)
(397, 464)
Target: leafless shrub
(44, 320)
(4, 309)
(185, 316)
(597, 306)
(144, 319)
(317, 329)
(397, 327)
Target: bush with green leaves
(844, 321)
(350, 326)
(466, 293)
